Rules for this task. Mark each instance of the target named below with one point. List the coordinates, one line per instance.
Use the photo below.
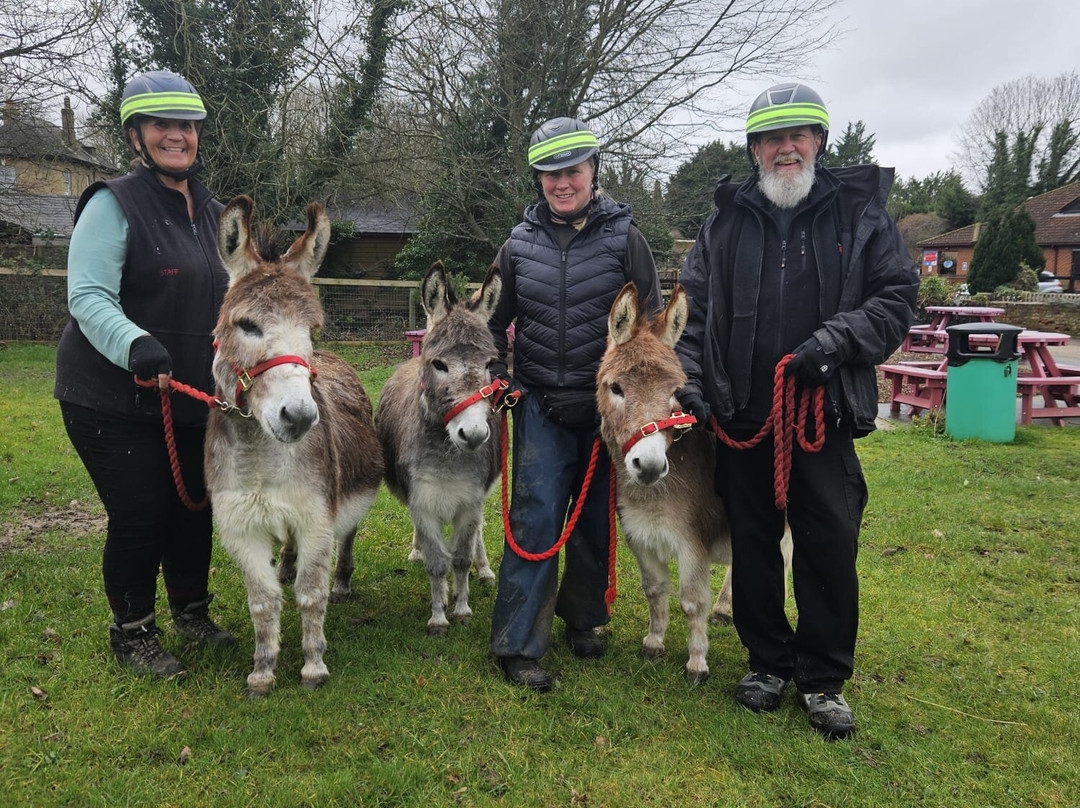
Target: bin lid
(963, 347)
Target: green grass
(966, 690)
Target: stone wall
(1060, 317)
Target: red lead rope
(786, 424)
(609, 594)
(170, 437)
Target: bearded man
(800, 260)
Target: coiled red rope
(787, 424)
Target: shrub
(934, 291)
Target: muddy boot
(136, 645)
(193, 622)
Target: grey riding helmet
(561, 143)
(785, 105)
(161, 94)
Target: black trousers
(826, 498)
(148, 526)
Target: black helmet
(560, 143)
(161, 94)
(784, 105)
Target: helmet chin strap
(190, 171)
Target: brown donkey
(440, 436)
(665, 497)
(293, 458)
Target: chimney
(67, 123)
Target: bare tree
(48, 50)
(480, 75)
(1018, 108)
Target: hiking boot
(760, 692)
(193, 622)
(136, 645)
(526, 672)
(829, 714)
(585, 643)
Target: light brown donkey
(665, 496)
(293, 459)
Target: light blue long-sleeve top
(96, 260)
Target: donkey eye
(616, 389)
(439, 365)
(249, 327)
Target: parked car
(1048, 283)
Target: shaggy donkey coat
(443, 469)
(295, 460)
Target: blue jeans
(549, 467)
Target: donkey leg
(254, 556)
(721, 610)
(463, 542)
(485, 575)
(428, 532)
(656, 583)
(694, 597)
(414, 552)
(312, 593)
(343, 571)
(287, 562)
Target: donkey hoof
(695, 678)
(438, 630)
(720, 619)
(463, 619)
(485, 577)
(415, 555)
(340, 594)
(652, 652)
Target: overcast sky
(914, 70)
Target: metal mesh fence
(33, 306)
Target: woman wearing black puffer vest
(145, 285)
(561, 270)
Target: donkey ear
(234, 238)
(435, 295)
(671, 322)
(485, 300)
(624, 314)
(307, 253)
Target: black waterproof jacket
(866, 284)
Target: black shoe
(193, 622)
(829, 714)
(585, 643)
(760, 692)
(526, 672)
(136, 645)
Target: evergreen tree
(854, 147)
(1006, 242)
(1062, 162)
(689, 199)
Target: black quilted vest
(564, 297)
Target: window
(67, 183)
(7, 178)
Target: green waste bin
(980, 388)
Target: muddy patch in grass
(34, 517)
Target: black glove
(148, 358)
(693, 404)
(811, 365)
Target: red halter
(679, 420)
(245, 378)
(496, 391)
